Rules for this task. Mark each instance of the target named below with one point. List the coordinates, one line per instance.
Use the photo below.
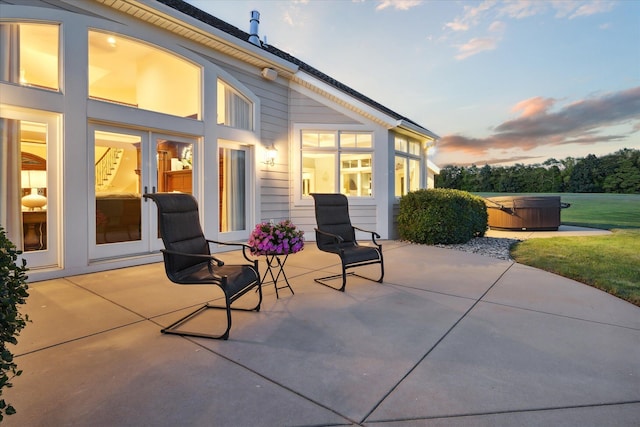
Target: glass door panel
(117, 187)
(175, 166)
(28, 184)
(174, 173)
(126, 166)
(117, 215)
(233, 191)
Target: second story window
(133, 73)
(29, 54)
(234, 109)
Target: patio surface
(449, 339)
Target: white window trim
(407, 155)
(234, 83)
(296, 167)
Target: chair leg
(173, 328)
(379, 280)
(322, 280)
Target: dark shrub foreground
(441, 216)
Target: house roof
(243, 37)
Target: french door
(126, 164)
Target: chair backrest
(332, 216)
(180, 230)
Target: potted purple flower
(283, 238)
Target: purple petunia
(280, 239)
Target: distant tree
(486, 179)
(625, 178)
(567, 169)
(618, 172)
(586, 176)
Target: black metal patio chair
(335, 234)
(188, 260)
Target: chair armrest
(218, 262)
(337, 238)
(244, 246)
(374, 235)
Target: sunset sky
(501, 82)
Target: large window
(407, 166)
(234, 109)
(29, 54)
(337, 162)
(133, 73)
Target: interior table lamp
(34, 179)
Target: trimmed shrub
(441, 216)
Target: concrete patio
(449, 339)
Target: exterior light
(269, 74)
(270, 155)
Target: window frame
(407, 155)
(19, 77)
(220, 81)
(339, 152)
(136, 43)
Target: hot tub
(524, 212)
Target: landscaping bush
(441, 216)
(13, 291)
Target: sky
(501, 82)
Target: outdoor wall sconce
(269, 74)
(270, 155)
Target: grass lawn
(610, 263)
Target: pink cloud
(583, 122)
(533, 106)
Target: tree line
(613, 173)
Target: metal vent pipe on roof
(253, 28)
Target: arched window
(133, 73)
(234, 109)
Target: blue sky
(501, 82)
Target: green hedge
(441, 216)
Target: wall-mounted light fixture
(270, 155)
(269, 74)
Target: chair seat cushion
(356, 254)
(238, 277)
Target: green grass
(610, 263)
